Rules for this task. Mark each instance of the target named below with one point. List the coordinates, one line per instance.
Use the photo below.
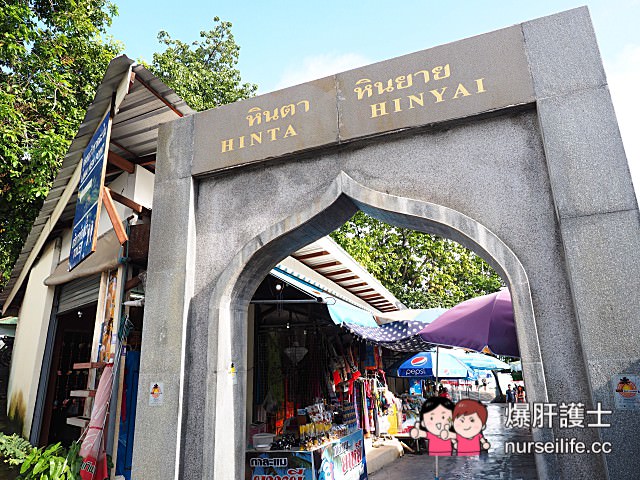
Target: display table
(341, 459)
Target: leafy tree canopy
(421, 270)
(204, 72)
(53, 54)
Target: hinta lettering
(257, 116)
(256, 138)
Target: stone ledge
(383, 455)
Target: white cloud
(623, 74)
(319, 66)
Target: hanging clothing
(393, 419)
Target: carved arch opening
(228, 306)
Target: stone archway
(234, 290)
(498, 143)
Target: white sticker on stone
(625, 391)
(156, 394)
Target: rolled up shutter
(79, 292)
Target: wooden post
(116, 430)
(113, 216)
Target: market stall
(315, 389)
(323, 448)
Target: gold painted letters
(256, 116)
(433, 96)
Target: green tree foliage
(204, 72)
(53, 54)
(421, 270)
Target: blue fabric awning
(342, 312)
(399, 330)
(339, 310)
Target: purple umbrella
(483, 324)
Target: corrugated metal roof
(328, 259)
(134, 134)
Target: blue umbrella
(422, 365)
(516, 366)
(479, 361)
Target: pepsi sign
(415, 372)
(419, 361)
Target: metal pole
(437, 358)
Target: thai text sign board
(87, 216)
(342, 459)
(274, 465)
(283, 122)
(473, 76)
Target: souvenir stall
(313, 391)
(316, 381)
(312, 411)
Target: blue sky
(283, 43)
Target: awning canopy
(401, 336)
(340, 310)
(105, 258)
(397, 331)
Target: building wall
(31, 336)
(137, 187)
(35, 311)
(143, 189)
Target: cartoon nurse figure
(435, 420)
(469, 420)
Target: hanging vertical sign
(108, 337)
(85, 222)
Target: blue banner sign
(344, 459)
(85, 222)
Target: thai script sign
(480, 74)
(280, 123)
(268, 462)
(473, 76)
(87, 216)
(344, 459)
(279, 465)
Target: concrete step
(387, 452)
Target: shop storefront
(79, 298)
(315, 390)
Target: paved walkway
(495, 465)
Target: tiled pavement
(494, 465)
